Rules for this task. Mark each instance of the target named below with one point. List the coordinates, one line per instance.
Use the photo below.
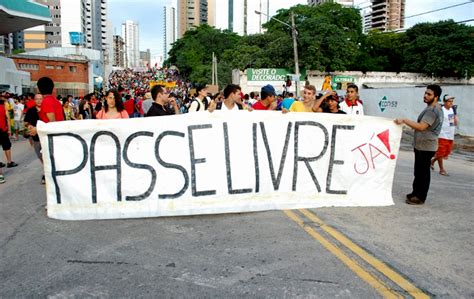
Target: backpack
(219, 106)
(184, 108)
(205, 102)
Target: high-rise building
(239, 15)
(86, 16)
(130, 36)
(118, 57)
(96, 24)
(366, 21)
(346, 3)
(145, 58)
(169, 28)
(192, 13)
(211, 12)
(388, 14)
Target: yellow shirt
(298, 106)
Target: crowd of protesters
(161, 91)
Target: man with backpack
(200, 102)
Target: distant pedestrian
(147, 102)
(5, 134)
(31, 120)
(446, 136)
(427, 129)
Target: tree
(192, 53)
(381, 51)
(328, 35)
(441, 49)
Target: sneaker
(12, 164)
(43, 180)
(2, 164)
(415, 201)
(2, 179)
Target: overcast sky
(149, 15)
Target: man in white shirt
(232, 99)
(200, 102)
(352, 104)
(446, 136)
(18, 108)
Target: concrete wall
(11, 76)
(408, 103)
(363, 80)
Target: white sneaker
(2, 179)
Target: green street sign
(342, 79)
(271, 74)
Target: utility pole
(214, 79)
(245, 17)
(295, 53)
(294, 34)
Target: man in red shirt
(51, 108)
(5, 133)
(267, 102)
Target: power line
(443, 8)
(431, 11)
(465, 21)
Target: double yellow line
(381, 287)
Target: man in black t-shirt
(31, 119)
(332, 105)
(162, 102)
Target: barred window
(29, 66)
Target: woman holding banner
(113, 107)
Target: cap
(268, 89)
(447, 97)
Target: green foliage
(441, 49)
(18, 51)
(381, 51)
(328, 35)
(329, 39)
(192, 53)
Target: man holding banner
(427, 128)
(268, 96)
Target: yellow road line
(377, 264)
(373, 281)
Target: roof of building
(62, 59)
(17, 15)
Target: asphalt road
(401, 250)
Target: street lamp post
(295, 46)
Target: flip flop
(443, 173)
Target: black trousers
(422, 172)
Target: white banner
(207, 163)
